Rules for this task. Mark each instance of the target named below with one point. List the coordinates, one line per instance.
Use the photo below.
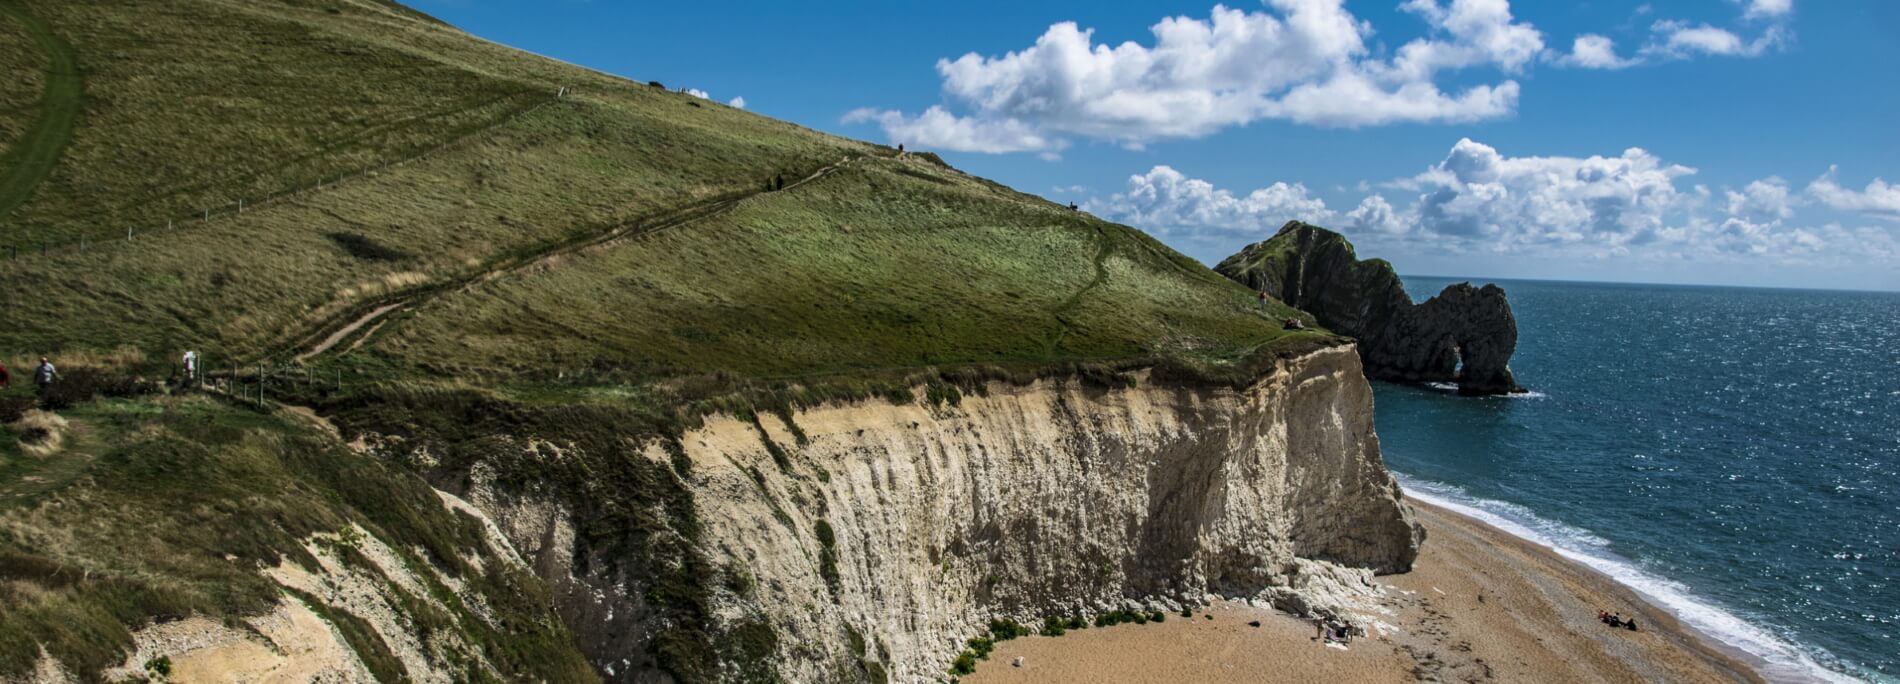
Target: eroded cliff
(869, 540)
(1465, 335)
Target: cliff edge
(1464, 335)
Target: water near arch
(1735, 453)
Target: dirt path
(1103, 248)
(344, 332)
(38, 151)
(675, 218)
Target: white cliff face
(893, 533)
(1048, 499)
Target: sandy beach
(1480, 605)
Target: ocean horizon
(1730, 453)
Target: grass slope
(595, 271)
(161, 508)
(31, 156)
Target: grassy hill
(427, 221)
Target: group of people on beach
(1332, 632)
(1616, 620)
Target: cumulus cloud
(1480, 199)
(1879, 198)
(738, 102)
(1375, 215)
(1678, 39)
(1476, 192)
(937, 127)
(1166, 200)
(1767, 9)
(1300, 60)
(1768, 198)
(701, 94)
(1592, 51)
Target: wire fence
(99, 236)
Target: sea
(1733, 454)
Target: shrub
(1158, 616)
(81, 385)
(13, 408)
(965, 664)
(1005, 629)
(982, 646)
(160, 667)
(828, 556)
(366, 249)
(1187, 612)
(1053, 626)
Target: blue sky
(1704, 141)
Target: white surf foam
(1452, 388)
(1778, 659)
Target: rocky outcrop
(868, 540)
(1465, 335)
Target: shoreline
(1480, 604)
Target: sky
(1734, 142)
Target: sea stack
(1465, 335)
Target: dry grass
(41, 434)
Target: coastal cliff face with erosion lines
(875, 538)
(1465, 335)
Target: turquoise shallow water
(1733, 453)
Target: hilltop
(460, 254)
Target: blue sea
(1734, 454)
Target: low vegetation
(167, 507)
(598, 270)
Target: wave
(1778, 659)
(1452, 388)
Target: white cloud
(937, 127)
(1475, 192)
(1301, 60)
(1164, 199)
(1677, 39)
(1768, 198)
(1767, 9)
(1592, 51)
(701, 94)
(1879, 198)
(1375, 214)
(1680, 39)
(738, 102)
(1479, 199)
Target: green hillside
(462, 252)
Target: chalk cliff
(869, 540)
(1464, 335)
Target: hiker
(191, 367)
(1630, 624)
(1263, 299)
(1319, 629)
(44, 376)
(900, 149)
(778, 182)
(1072, 207)
(5, 380)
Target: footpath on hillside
(38, 151)
(329, 335)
